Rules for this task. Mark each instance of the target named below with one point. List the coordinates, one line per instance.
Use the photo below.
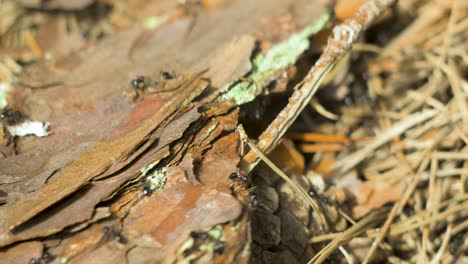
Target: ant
(145, 188)
(322, 198)
(140, 85)
(166, 75)
(141, 82)
(218, 247)
(199, 235)
(240, 177)
(45, 258)
(247, 182)
(200, 238)
(109, 233)
(11, 116)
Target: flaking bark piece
(91, 164)
(79, 207)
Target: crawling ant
(166, 76)
(11, 116)
(138, 83)
(141, 83)
(199, 235)
(147, 190)
(218, 247)
(322, 198)
(45, 258)
(233, 176)
(109, 233)
(120, 239)
(240, 177)
(202, 239)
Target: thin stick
(275, 168)
(339, 44)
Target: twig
(275, 168)
(339, 44)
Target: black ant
(233, 176)
(240, 177)
(200, 238)
(11, 116)
(166, 75)
(141, 83)
(147, 191)
(45, 258)
(322, 198)
(199, 235)
(218, 247)
(35, 261)
(109, 233)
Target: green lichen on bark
(278, 58)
